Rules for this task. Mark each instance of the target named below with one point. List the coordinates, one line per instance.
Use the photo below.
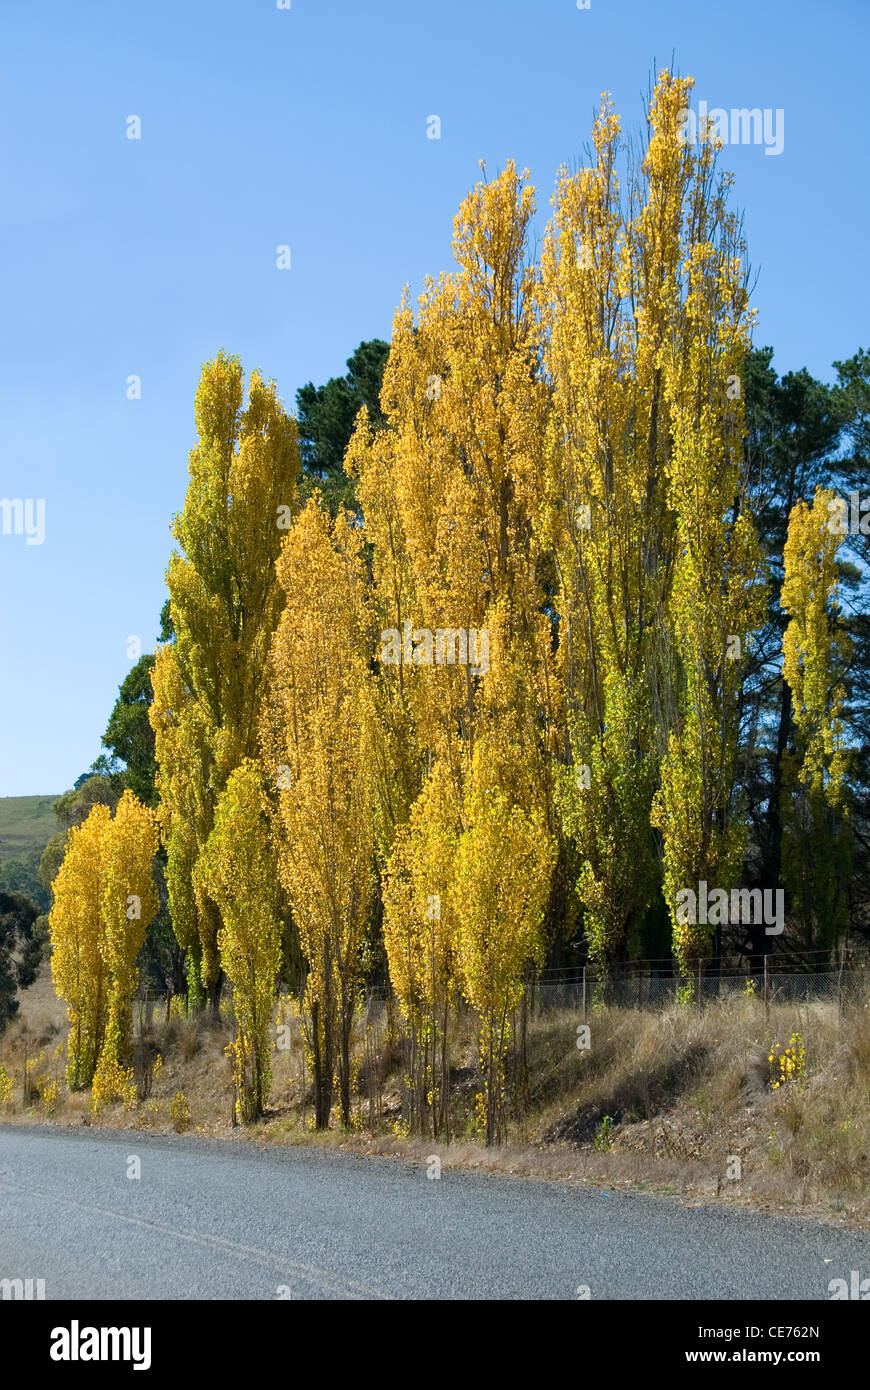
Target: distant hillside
(26, 823)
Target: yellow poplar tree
(816, 842)
(449, 488)
(645, 324)
(78, 967)
(399, 759)
(318, 752)
(185, 812)
(503, 866)
(128, 902)
(225, 601)
(240, 874)
(604, 515)
(717, 591)
(450, 492)
(104, 898)
(419, 935)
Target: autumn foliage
(499, 695)
(104, 898)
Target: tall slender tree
(420, 934)
(78, 966)
(225, 601)
(104, 897)
(239, 872)
(504, 863)
(317, 754)
(817, 848)
(128, 902)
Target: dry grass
(674, 1101)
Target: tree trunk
(344, 1068)
(215, 991)
(322, 1069)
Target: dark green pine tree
(326, 416)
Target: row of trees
(559, 457)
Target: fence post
(584, 994)
(765, 983)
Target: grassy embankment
(672, 1101)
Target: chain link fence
(579, 990)
(652, 985)
(645, 985)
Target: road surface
(225, 1220)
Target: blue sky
(307, 127)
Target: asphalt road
(216, 1220)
